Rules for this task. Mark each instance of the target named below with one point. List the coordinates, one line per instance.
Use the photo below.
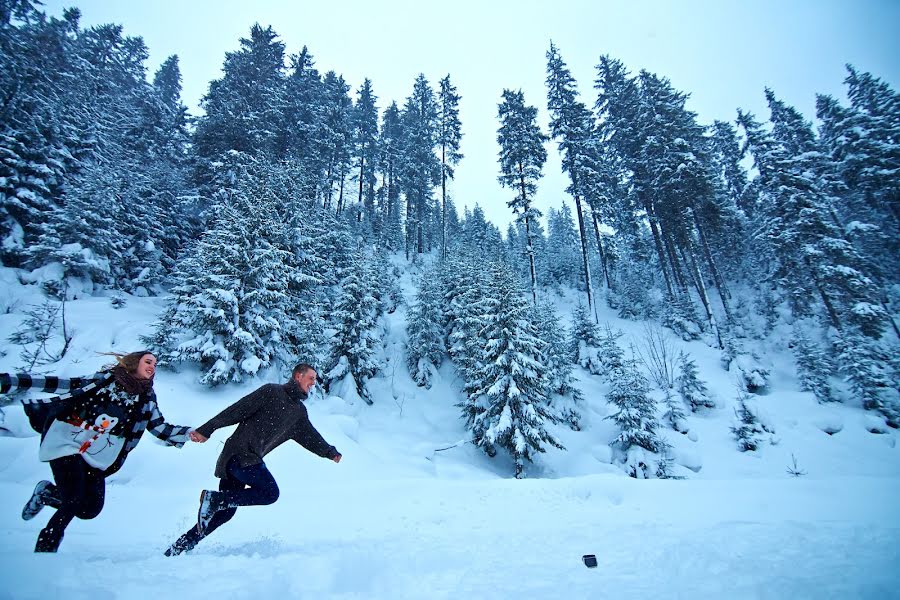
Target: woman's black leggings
(82, 491)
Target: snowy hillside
(412, 511)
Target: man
(265, 419)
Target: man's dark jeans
(244, 486)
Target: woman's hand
(196, 436)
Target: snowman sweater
(88, 399)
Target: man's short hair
(302, 368)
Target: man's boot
(185, 543)
(211, 502)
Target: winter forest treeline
(270, 220)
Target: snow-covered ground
(403, 517)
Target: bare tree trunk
(829, 307)
(673, 261)
(691, 262)
(600, 248)
(359, 200)
(584, 254)
(420, 217)
(529, 248)
(443, 201)
(724, 294)
(340, 202)
(657, 241)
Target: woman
(86, 435)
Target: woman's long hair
(128, 361)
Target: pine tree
(570, 124)
(565, 397)
(449, 135)
(354, 317)
(425, 336)
(390, 145)
(366, 149)
(748, 431)
(637, 423)
(690, 387)
(586, 341)
(243, 110)
(871, 372)
(563, 261)
(522, 155)
(465, 286)
(813, 365)
(337, 137)
(230, 301)
(506, 403)
(808, 248)
(305, 135)
(420, 168)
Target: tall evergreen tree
(571, 125)
(420, 168)
(807, 245)
(522, 155)
(366, 149)
(448, 138)
(390, 143)
(244, 109)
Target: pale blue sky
(723, 52)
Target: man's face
(306, 380)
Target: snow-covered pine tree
(465, 285)
(230, 299)
(563, 266)
(365, 129)
(42, 127)
(244, 109)
(449, 135)
(643, 450)
(522, 155)
(814, 262)
(565, 397)
(385, 286)
(420, 169)
(872, 373)
(352, 356)
(390, 144)
(748, 431)
(586, 340)
(690, 387)
(426, 345)
(506, 404)
(813, 364)
(612, 356)
(571, 125)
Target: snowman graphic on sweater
(89, 434)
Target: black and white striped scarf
(83, 387)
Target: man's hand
(337, 458)
(198, 437)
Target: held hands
(197, 436)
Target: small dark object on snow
(589, 560)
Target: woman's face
(146, 367)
